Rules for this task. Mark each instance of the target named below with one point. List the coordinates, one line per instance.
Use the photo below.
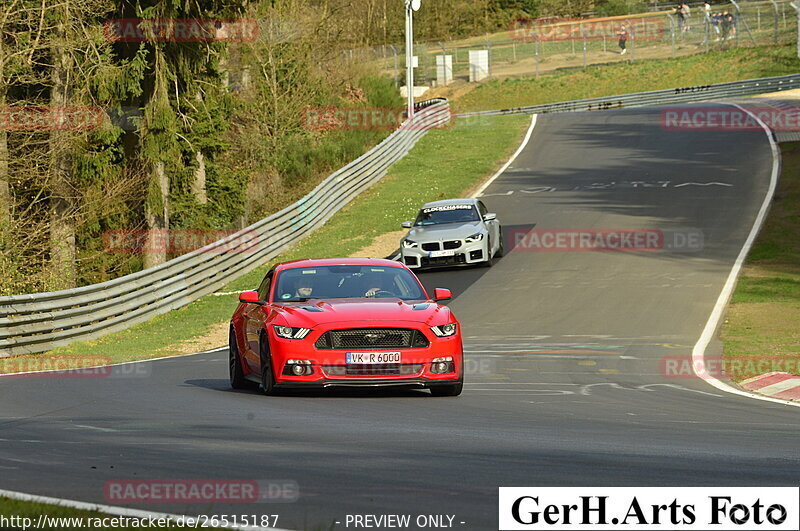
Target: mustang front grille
(372, 338)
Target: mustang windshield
(446, 214)
(346, 282)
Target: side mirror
(491, 216)
(406, 224)
(442, 294)
(250, 297)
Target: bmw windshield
(346, 282)
(439, 215)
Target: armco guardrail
(41, 321)
(747, 87)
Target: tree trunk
(5, 190)
(199, 182)
(156, 213)
(62, 209)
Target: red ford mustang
(345, 322)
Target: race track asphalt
(565, 357)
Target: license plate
(439, 254)
(366, 358)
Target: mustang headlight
(290, 332)
(408, 244)
(478, 236)
(445, 330)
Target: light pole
(411, 6)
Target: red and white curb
(780, 385)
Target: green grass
(763, 319)
(620, 78)
(445, 163)
(22, 509)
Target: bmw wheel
(500, 249)
(489, 262)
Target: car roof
(445, 202)
(321, 262)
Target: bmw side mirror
(406, 224)
(491, 216)
(250, 297)
(442, 294)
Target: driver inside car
(304, 286)
(377, 287)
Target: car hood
(316, 312)
(447, 231)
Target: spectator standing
(687, 13)
(716, 20)
(681, 17)
(623, 39)
(727, 20)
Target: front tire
(489, 262)
(500, 249)
(267, 376)
(238, 381)
(447, 390)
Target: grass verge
(445, 163)
(621, 78)
(761, 332)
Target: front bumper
(405, 383)
(330, 368)
(423, 254)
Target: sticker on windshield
(309, 271)
(286, 296)
(446, 208)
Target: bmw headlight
(290, 332)
(478, 236)
(408, 244)
(445, 330)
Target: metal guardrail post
(796, 7)
(775, 21)
(740, 17)
(672, 32)
(489, 48)
(583, 35)
(396, 71)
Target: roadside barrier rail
(38, 322)
(748, 87)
